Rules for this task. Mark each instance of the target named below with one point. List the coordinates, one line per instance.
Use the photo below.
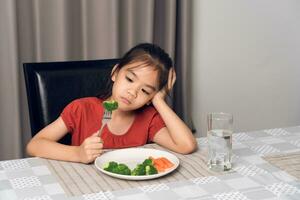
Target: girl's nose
(132, 92)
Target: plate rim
(143, 177)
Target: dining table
(265, 166)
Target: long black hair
(149, 55)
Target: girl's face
(134, 86)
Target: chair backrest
(51, 86)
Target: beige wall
(246, 60)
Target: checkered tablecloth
(28, 179)
(252, 177)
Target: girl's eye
(129, 79)
(144, 91)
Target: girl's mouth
(124, 100)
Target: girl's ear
(114, 72)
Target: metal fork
(105, 119)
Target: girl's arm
(176, 136)
(44, 144)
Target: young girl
(139, 83)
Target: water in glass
(220, 149)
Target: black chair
(51, 86)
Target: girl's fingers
(94, 151)
(95, 146)
(96, 155)
(95, 134)
(171, 78)
(94, 139)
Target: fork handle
(100, 132)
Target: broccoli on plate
(141, 169)
(148, 161)
(150, 170)
(116, 168)
(146, 168)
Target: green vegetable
(110, 166)
(123, 169)
(150, 170)
(139, 170)
(147, 162)
(117, 168)
(110, 105)
(145, 168)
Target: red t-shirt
(83, 117)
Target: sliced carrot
(162, 163)
(159, 163)
(159, 169)
(167, 162)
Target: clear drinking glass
(219, 136)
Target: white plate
(133, 156)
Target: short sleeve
(69, 115)
(156, 124)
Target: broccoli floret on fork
(110, 105)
